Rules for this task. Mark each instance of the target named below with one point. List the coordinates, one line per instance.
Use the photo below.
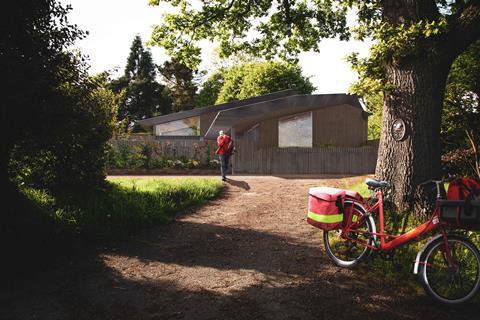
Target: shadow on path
(149, 280)
(224, 248)
(237, 183)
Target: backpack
(464, 189)
(231, 147)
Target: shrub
(147, 153)
(123, 154)
(126, 155)
(192, 164)
(74, 153)
(159, 163)
(214, 163)
(459, 162)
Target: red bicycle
(448, 266)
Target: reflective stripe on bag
(331, 218)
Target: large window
(295, 131)
(184, 127)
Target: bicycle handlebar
(438, 183)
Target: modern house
(280, 133)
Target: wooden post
(234, 137)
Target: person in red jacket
(224, 151)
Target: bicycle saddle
(376, 183)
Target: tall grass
(124, 205)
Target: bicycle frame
(448, 274)
(398, 240)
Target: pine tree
(181, 82)
(144, 96)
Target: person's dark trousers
(224, 158)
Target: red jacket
(222, 142)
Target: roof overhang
(147, 124)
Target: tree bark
(417, 99)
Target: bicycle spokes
(452, 277)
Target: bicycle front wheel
(348, 253)
(455, 282)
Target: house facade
(280, 133)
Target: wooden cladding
(318, 160)
(268, 133)
(341, 125)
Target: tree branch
(408, 11)
(465, 28)
(220, 14)
(286, 6)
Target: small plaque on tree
(398, 130)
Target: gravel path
(248, 255)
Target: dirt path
(248, 255)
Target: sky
(112, 25)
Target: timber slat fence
(249, 158)
(340, 160)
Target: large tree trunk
(417, 99)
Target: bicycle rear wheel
(451, 284)
(348, 253)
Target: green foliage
(462, 100)
(374, 106)
(211, 89)
(75, 157)
(147, 152)
(460, 107)
(361, 188)
(253, 79)
(35, 61)
(290, 27)
(67, 116)
(143, 97)
(127, 155)
(180, 81)
(124, 205)
(280, 29)
(398, 37)
(460, 131)
(33, 42)
(57, 121)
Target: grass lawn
(125, 204)
(361, 188)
